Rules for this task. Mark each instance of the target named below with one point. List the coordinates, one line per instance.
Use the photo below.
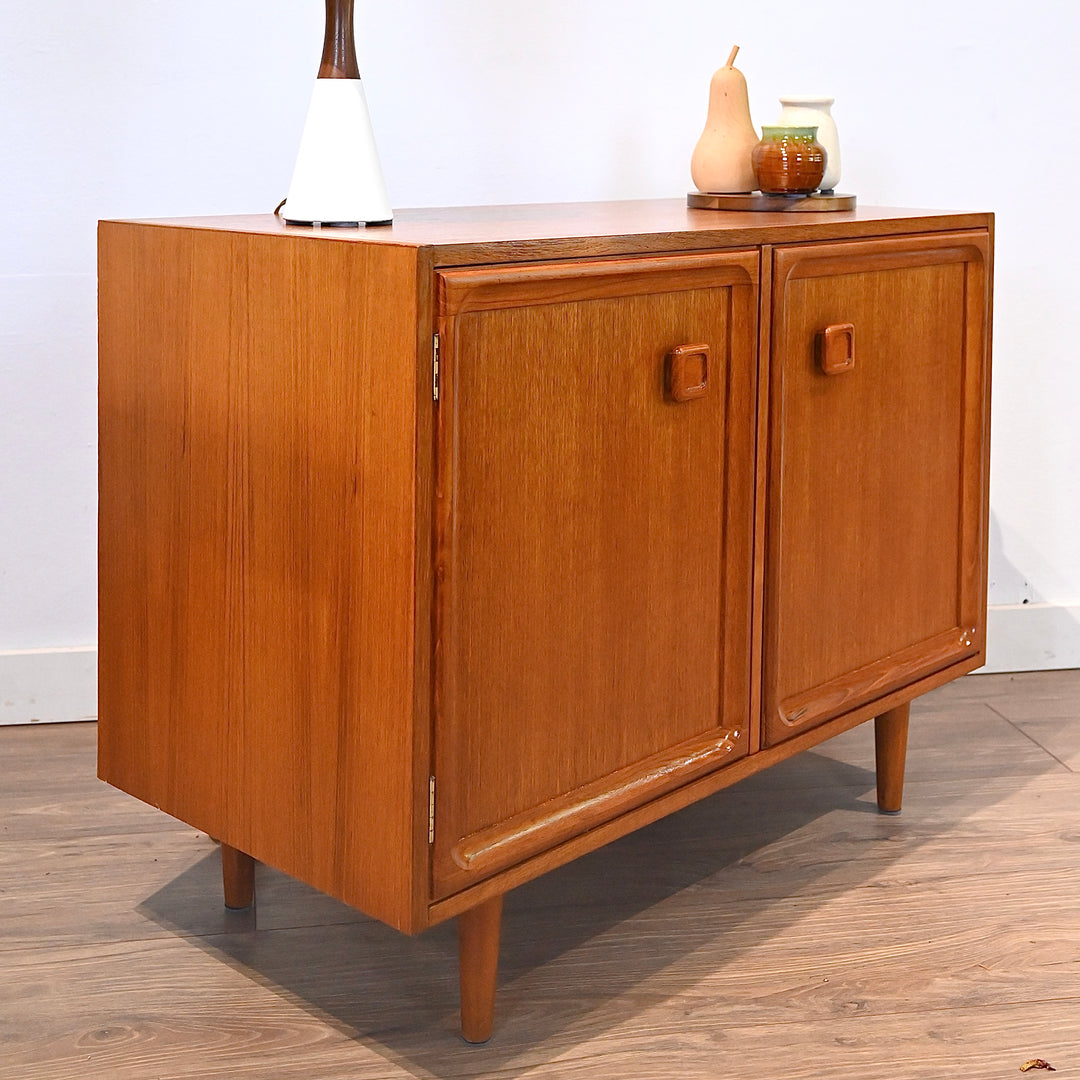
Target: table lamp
(337, 179)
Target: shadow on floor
(581, 943)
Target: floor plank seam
(906, 1014)
(1031, 738)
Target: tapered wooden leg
(890, 746)
(238, 877)
(478, 962)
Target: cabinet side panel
(323, 780)
(282, 510)
(165, 693)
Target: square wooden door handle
(836, 348)
(688, 372)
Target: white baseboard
(1032, 637)
(45, 686)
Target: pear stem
(731, 58)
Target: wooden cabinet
(432, 557)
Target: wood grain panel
(257, 529)
(877, 500)
(595, 537)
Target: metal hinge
(431, 810)
(435, 368)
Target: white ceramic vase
(804, 110)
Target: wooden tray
(754, 200)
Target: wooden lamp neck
(339, 45)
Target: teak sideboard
(434, 556)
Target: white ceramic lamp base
(337, 179)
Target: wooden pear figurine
(721, 161)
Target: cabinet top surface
(598, 228)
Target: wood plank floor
(781, 929)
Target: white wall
(145, 108)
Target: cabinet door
(593, 545)
(876, 528)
